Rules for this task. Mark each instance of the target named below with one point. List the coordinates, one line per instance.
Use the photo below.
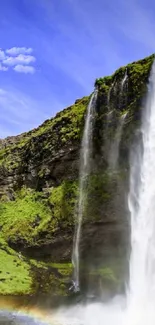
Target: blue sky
(53, 50)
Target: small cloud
(24, 69)
(19, 50)
(2, 55)
(20, 59)
(2, 68)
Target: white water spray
(141, 295)
(85, 160)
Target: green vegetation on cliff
(39, 188)
(32, 213)
(66, 127)
(20, 217)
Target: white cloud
(19, 50)
(2, 68)
(2, 55)
(17, 58)
(24, 69)
(20, 59)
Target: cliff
(39, 188)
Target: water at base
(85, 161)
(87, 314)
(92, 313)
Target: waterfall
(124, 80)
(138, 307)
(109, 96)
(85, 158)
(110, 111)
(114, 147)
(114, 150)
(113, 88)
(123, 90)
(141, 292)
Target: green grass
(14, 275)
(18, 277)
(52, 277)
(64, 269)
(20, 218)
(30, 214)
(63, 198)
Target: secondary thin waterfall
(114, 147)
(114, 150)
(124, 80)
(123, 90)
(141, 293)
(85, 158)
(109, 96)
(110, 111)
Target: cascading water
(114, 150)
(123, 90)
(85, 158)
(109, 96)
(110, 111)
(141, 295)
(124, 80)
(114, 146)
(112, 91)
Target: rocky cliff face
(39, 188)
